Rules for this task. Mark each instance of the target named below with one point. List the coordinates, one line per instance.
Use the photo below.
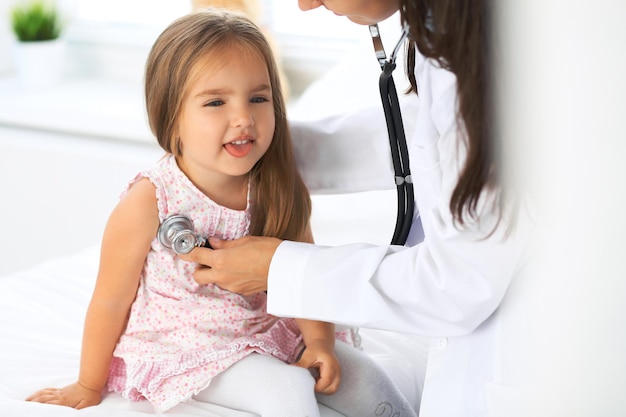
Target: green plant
(36, 21)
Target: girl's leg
(365, 390)
(263, 385)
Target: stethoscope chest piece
(176, 233)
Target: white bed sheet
(41, 317)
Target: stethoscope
(176, 232)
(397, 140)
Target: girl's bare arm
(125, 244)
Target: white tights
(266, 386)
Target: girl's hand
(76, 396)
(322, 358)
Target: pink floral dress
(181, 334)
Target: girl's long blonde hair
(281, 205)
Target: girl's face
(227, 118)
(363, 12)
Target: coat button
(441, 343)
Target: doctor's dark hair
(456, 34)
(198, 42)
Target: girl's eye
(259, 100)
(214, 103)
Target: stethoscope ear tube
(397, 139)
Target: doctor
(449, 285)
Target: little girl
(151, 332)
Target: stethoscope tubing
(397, 139)
(399, 156)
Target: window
(123, 30)
(138, 12)
(282, 16)
(285, 18)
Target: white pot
(40, 64)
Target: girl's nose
(242, 117)
(309, 4)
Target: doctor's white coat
(450, 286)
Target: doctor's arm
(344, 153)
(446, 285)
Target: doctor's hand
(239, 266)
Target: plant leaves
(35, 21)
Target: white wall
(563, 68)
(58, 190)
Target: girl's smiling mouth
(239, 147)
